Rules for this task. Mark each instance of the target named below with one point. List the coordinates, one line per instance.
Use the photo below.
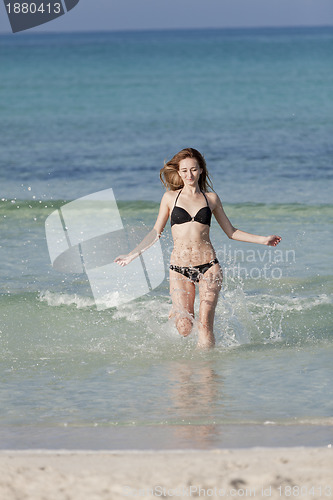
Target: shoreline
(256, 472)
(165, 437)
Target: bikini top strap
(177, 197)
(205, 198)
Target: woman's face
(189, 171)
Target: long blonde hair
(169, 173)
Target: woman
(193, 261)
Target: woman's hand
(272, 240)
(123, 260)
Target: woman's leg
(209, 288)
(182, 292)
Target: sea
(83, 113)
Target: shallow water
(66, 363)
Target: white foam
(288, 304)
(54, 299)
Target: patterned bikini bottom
(194, 273)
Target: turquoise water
(85, 112)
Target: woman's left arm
(236, 234)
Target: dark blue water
(106, 109)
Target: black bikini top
(179, 215)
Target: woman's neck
(191, 190)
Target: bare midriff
(192, 245)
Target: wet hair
(169, 173)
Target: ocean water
(85, 112)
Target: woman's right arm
(151, 237)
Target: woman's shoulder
(213, 198)
(169, 196)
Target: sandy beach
(256, 472)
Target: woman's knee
(184, 326)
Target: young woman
(193, 260)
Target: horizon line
(147, 30)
